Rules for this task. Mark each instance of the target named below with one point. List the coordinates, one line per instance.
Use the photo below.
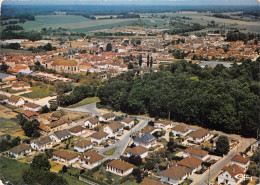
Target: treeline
(219, 15)
(33, 36)
(225, 99)
(187, 28)
(30, 127)
(128, 16)
(13, 27)
(47, 47)
(6, 142)
(113, 34)
(237, 35)
(24, 16)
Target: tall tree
(109, 47)
(40, 162)
(148, 60)
(151, 62)
(222, 145)
(140, 60)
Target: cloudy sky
(137, 2)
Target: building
(20, 85)
(92, 122)
(175, 174)
(150, 129)
(254, 146)
(6, 78)
(90, 159)
(107, 117)
(148, 181)
(62, 65)
(228, 175)
(191, 162)
(241, 160)
(82, 146)
(120, 168)
(20, 150)
(113, 128)
(77, 130)
(230, 140)
(3, 98)
(199, 135)
(16, 101)
(30, 114)
(128, 122)
(98, 137)
(145, 140)
(60, 135)
(65, 157)
(32, 106)
(180, 129)
(41, 143)
(164, 125)
(197, 152)
(58, 125)
(138, 151)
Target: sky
(134, 2)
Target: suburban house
(3, 98)
(128, 122)
(98, 137)
(66, 157)
(164, 125)
(92, 122)
(197, 152)
(107, 117)
(90, 159)
(20, 85)
(55, 116)
(174, 174)
(30, 114)
(148, 181)
(145, 140)
(191, 162)
(77, 130)
(16, 101)
(138, 151)
(82, 145)
(199, 135)
(180, 129)
(32, 106)
(41, 143)
(241, 160)
(228, 175)
(60, 135)
(20, 150)
(58, 125)
(230, 140)
(150, 129)
(6, 78)
(113, 128)
(120, 168)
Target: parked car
(106, 145)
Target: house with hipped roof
(90, 159)
(241, 160)
(197, 152)
(20, 150)
(82, 146)
(60, 135)
(113, 128)
(92, 122)
(65, 157)
(41, 143)
(175, 174)
(180, 129)
(120, 168)
(138, 151)
(98, 137)
(145, 139)
(198, 136)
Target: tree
(148, 60)
(151, 62)
(109, 47)
(149, 165)
(140, 60)
(44, 109)
(130, 65)
(40, 162)
(137, 174)
(222, 145)
(64, 169)
(4, 67)
(109, 178)
(171, 145)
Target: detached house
(20, 85)
(164, 125)
(20, 150)
(241, 160)
(145, 140)
(92, 122)
(30, 114)
(32, 106)
(199, 135)
(77, 130)
(113, 128)
(58, 125)
(191, 162)
(128, 122)
(3, 98)
(41, 143)
(120, 168)
(174, 174)
(16, 101)
(197, 152)
(66, 157)
(148, 181)
(180, 129)
(138, 151)
(98, 137)
(228, 175)
(82, 146)
(90, 159)
(149, 129)
(107, 117)
(60, 135)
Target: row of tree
(222, 98)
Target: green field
(39, 92)
(85, 102)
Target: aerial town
(71, 113)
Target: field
(85, 102)
(10, 90)
(39, 92)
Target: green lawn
(85, 102)
(110, 152)
(39, 92)
(10, 90)
(12, 169)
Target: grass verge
(110, 152)
(85, 101)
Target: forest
(225, 99)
